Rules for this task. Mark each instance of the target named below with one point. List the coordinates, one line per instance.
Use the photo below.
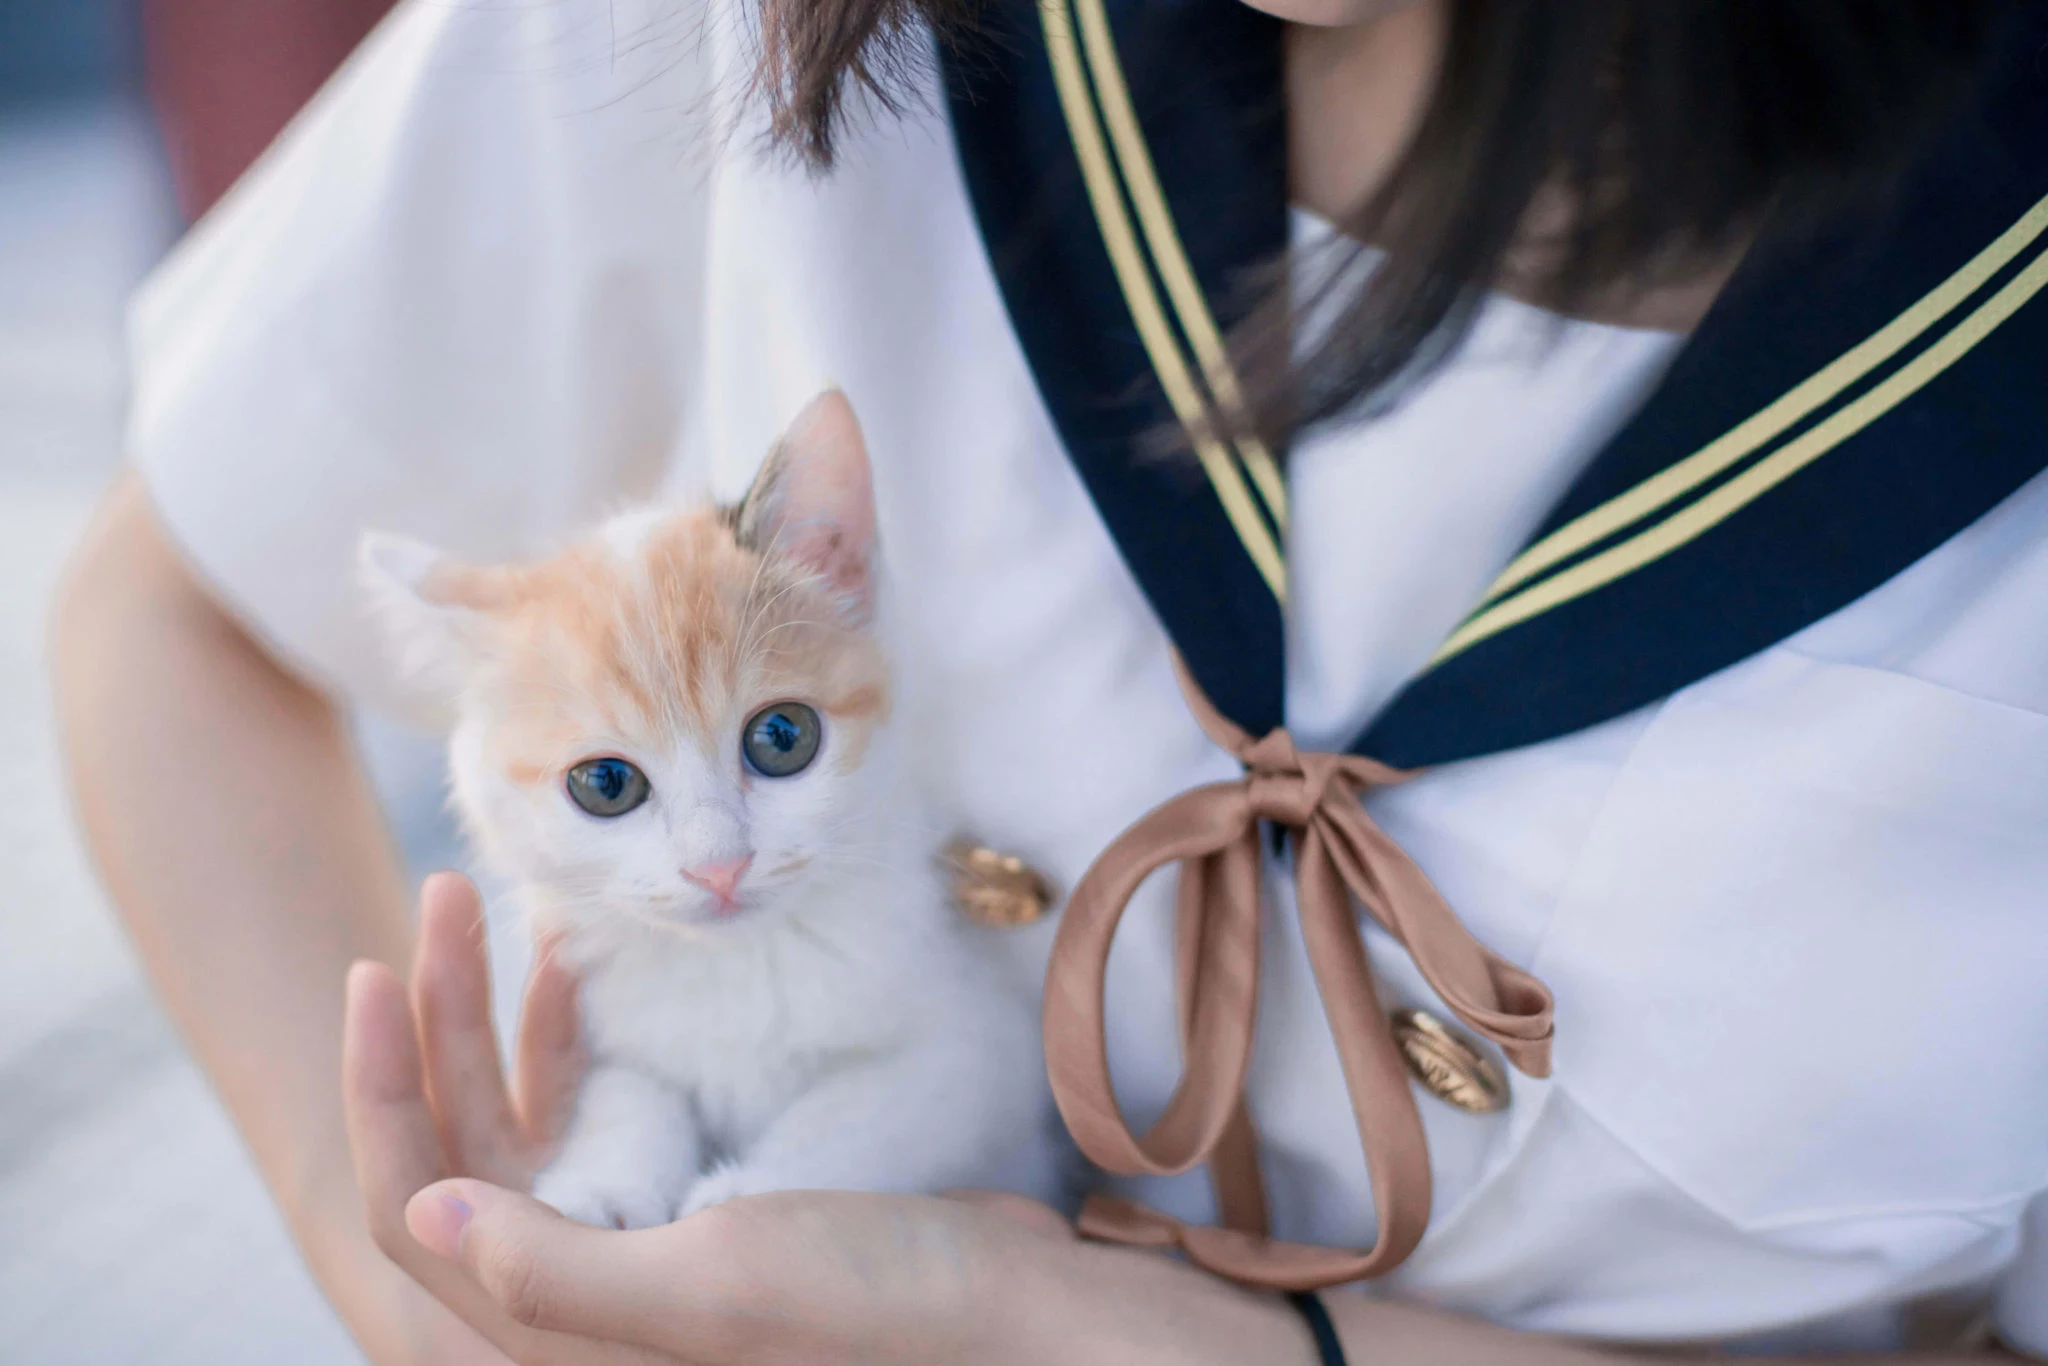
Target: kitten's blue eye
(607, 787)
(781, 740)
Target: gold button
(995, 888)
(1449, 1067)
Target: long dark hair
(1674, 130)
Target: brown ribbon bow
(1213, 832)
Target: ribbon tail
(1383, 1105)
(1236, 1256)
(1490, 995)
(1113, 1219)
(1235, 1177)
(1234, 1160)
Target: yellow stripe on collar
(1168, 256)
(1709, 511)
(1106, 195)
(1773, 421)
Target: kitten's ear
(814, 502)
(435, 611)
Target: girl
(1642, 441)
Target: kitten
(676, 740)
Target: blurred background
(132, 1226)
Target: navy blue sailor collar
(1852, 400)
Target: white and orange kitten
(675, 739)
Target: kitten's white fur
(855, 1041)
(845, 1031)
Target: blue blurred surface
(57, 48)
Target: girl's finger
(465, 1081)
(390, 1127)
(557, 1277)
(398, 1150)
(548, 1059)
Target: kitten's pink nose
(721, 879)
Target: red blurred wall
(226, 75)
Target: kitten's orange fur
(682, 637)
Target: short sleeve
(2022, 1313)
(458, 299)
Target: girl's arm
(239, 840)
(799, 1277)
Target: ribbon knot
(1284, 785)
(1341, 856)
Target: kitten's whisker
(804, 930)
(760, 641)
(755, 606)
(759, 611)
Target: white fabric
(513, 269)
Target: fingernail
(438, 1223)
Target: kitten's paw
(727, 1182)
(603, 1200)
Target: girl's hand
(445, 1154)
(426, 1100)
